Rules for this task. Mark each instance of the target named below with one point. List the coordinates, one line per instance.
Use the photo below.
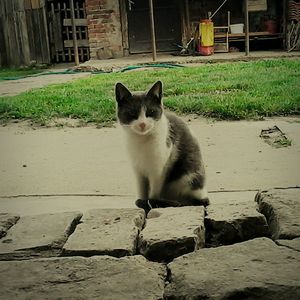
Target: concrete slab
(38, 236)
(35, 205)
(103, 277)
(256, 269)
(15, 87)
(106, 231)
(171, 232)
(117, 63)
(6, 222)
(292, 244)
(282, 210)
(94, 161)
(230, 223)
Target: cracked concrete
(70, 163)
(82, 169)
(257, 268)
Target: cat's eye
(150, 113)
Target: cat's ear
(156, 91)
(122, 93)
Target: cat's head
(139, 112)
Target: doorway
(167, 25)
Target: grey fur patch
(189, 160)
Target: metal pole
(74, 33)
(246, 28)
(152, 30)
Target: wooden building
(41, 30)
(122, 27)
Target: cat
(165, 155)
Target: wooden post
(187, 18)
(152, 26)
(284, 14)
(246, 28)
(74, 33)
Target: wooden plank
(43, 35)
(152, 26)
(3, 49)
(18, 5)
(187, 18)
(78, 22)
(57, 30)
(284, 26)
(47, 58)
(257, 5)
(77, 10)
(247, 46)
(22, 36)
(27, 4)
(124, 27)
(12, 38)
(35, 4)
(81, 43)
(242, 35)
(76, 57)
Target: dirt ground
(60, 169)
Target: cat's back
(178, 127)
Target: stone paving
(246, 250)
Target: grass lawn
(243, 90)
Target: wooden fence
(23, 32)
(40, 31)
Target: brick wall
(104, 26)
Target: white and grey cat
(165, 155)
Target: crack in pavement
(129, 195)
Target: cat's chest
(149, 155)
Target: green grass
(19, 72)
(244, 90)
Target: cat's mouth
(142, 131)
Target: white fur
(149, 152)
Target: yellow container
(206, 29)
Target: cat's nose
(142, 125)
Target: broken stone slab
(98, 277)
(171, 232)
(230, 223)
(38, 236)
(282, 211)
(7, 221)
(275, 137)
(106, 231)
(292, 244)
(255, 269)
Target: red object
(270, 26)
(206, 51)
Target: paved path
(122, 254)
(15, 87)
(117, 63)
(68, 222)
(88, 167)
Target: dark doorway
(167, 25)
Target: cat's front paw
(200, 202)
(144, 204)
